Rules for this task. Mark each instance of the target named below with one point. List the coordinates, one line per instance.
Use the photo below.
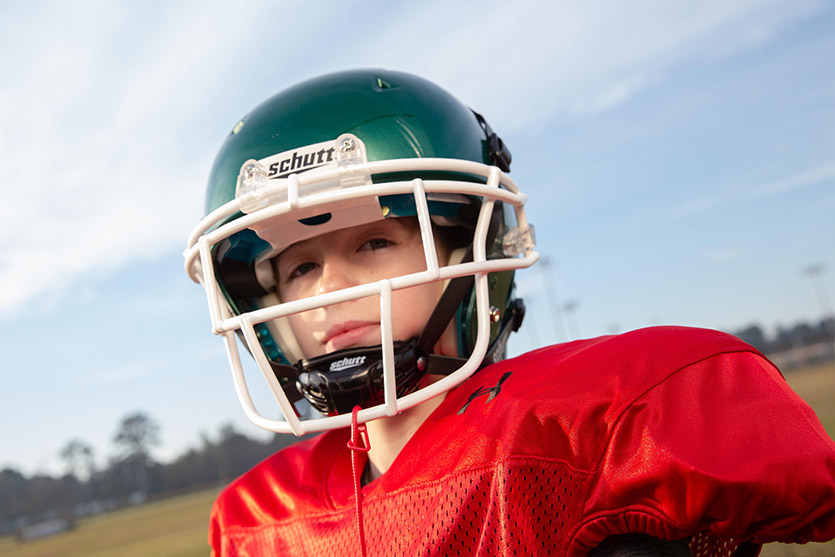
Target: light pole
(816, 272)
(569, 308)
(557, 318)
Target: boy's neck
(389, 435)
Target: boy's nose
(335, 275)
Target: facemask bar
(199, 265)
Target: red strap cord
(353, 444)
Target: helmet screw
(347, 145)
(421, 363)
(495, 314)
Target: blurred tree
(137, 433)
(78, 457)
(129, 474)
(237, 453)
(754, 336)
(12, 493)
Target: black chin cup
(337, 382)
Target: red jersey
(671, 432)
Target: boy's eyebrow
(295, 245)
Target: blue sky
(680, 159)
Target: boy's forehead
(298, 225)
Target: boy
(361, 238)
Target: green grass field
(177, 526)
(816, 385)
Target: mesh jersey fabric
(671, 432)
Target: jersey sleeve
(722, 446)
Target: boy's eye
(376, 243)
(302, 270)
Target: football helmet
(332, 153)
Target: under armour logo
(493, 392)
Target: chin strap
(439, 320)
(511, 322)
(287, 376)
(446, 307)
(443, 365)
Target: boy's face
(349, 257)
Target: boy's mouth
(351, 333)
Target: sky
(679, 158)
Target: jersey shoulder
(289, 481)
(651, 351)
(612, 368)
(572, 394)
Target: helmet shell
(396, 115)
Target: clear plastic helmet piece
(326, 159)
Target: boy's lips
(350, 333)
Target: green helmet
(336, 152)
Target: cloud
(529, 61)
(91, 171)
(121, 374)
(701, 204)
(724, 254)
(111, 121)
(815, 176)
(736, 194)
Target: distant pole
(531, 329)
(816, 272)
(570, 310)
(557, 318)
